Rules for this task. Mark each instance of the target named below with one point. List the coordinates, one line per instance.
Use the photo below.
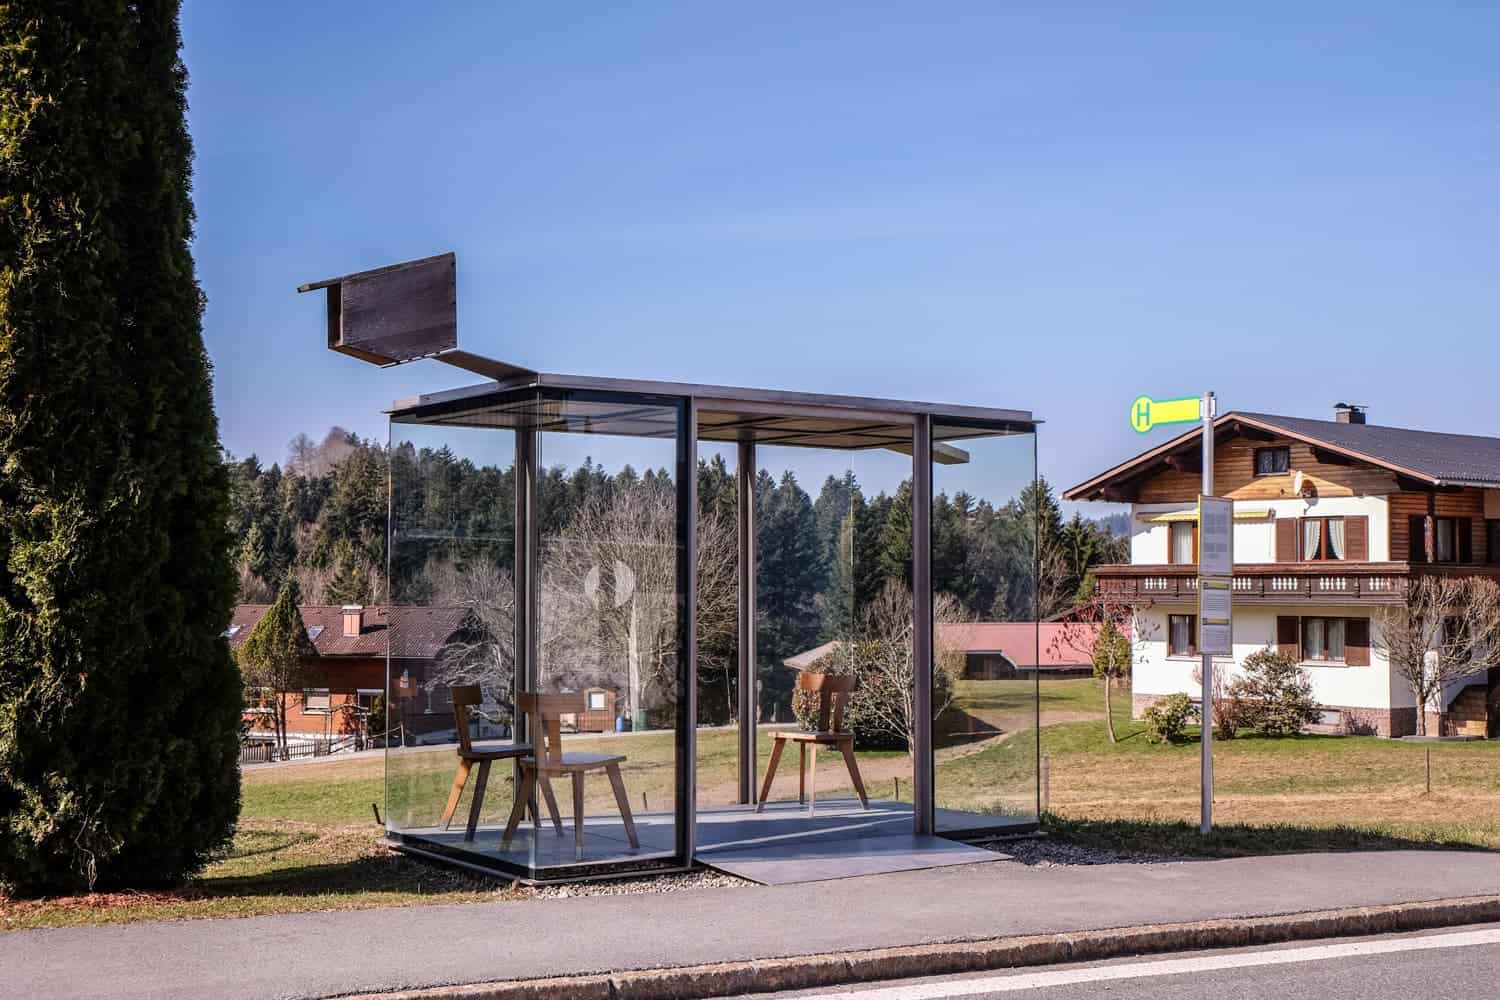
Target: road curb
(813, 971)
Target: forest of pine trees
(322, 519)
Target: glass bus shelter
(630, 560)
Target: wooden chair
(833, 695)
(544, 722)
(464, 698)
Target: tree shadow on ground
(378, 872)
(1180, 839)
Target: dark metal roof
(726, 413)
(1447, 459)
(1430, 458)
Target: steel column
(923, 801)
(687, 630)
(749, 703)
(525, 669)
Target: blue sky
(1054, 207)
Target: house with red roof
(999, 650)
(352, 643)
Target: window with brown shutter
(1286, 539)
(1357, 642)
(1465, 540)
(1288, 636)
(1357, 538)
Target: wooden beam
(1327, 457)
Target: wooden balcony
(1275, 583)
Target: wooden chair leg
(481, 782)
(523, 796)
(847, 749)
(623, 801)
(812, 779)
(578, 815)
(765, 789)
(456, 792)
(801, 774)
(546, 784)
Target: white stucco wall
(1156, 673)
(1255, 541)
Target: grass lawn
(308, 840)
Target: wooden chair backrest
(544, 714)
(833, 695)
(464, 695)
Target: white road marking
(1167, 967)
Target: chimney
(1349, 413)
(354, 620)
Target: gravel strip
(680, 882)
(1043, 852)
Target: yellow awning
(1192, 515)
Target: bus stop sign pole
(1206, 806)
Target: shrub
(1276, 693)
(876, 711)
(1229, 711)
(1168, 717)
(119, 701)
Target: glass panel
(1311, 536)
(1335, 538)
(607, 625)
(1313, 639)
(1181, 640)
(1443, 536)
(1335, 630)
(602, 671)
(1182, 542)
(450, 623)
(718, 626)
(991, 665)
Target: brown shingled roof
(412, 633)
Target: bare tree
(1056, 587)
(1445, 630)
(252, 588)
(609, 592)
(884, 659)
(483, 652)
(1106, 631)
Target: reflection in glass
(988, 668)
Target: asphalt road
(1456, 962)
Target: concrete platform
(785, 843)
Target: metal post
(525, 528)
(749, 707)
(687, 630)
(1206, 807)
(923, 795)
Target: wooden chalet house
(1331, 517)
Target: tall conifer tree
(119, 701)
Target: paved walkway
(326, 954)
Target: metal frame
(749, 695)
(923, 796)
(689, 401)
